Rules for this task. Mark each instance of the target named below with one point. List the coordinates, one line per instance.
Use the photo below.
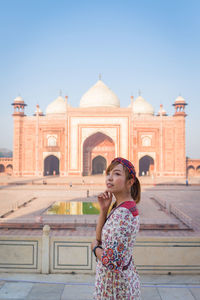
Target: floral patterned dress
(116, 276)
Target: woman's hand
(105, 200)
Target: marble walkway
(80, 287)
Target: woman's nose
(110, 178)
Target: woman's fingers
(105, 195)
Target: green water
(74, 208)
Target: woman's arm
(100, 223)
(104, 200)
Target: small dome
(141, 106)
(180, 99)
(18, 99)
(58, 106)
(99, 95)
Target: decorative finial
(60, 92)
(132, 99)
(99, 76)
(139, 92)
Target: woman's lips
(109, 185)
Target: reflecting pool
(74, 208)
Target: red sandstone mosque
(69, 141)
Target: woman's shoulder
(129, 207)
(123, 218)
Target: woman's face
(116, 180)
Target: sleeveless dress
(116, 275)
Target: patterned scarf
(126, 163)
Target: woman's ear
(131, 182)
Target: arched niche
(146, 165)
(99, 165)
(51, 165)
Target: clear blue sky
(152, 45)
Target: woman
(116, 276)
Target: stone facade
(83, 141)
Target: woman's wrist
(99, 242)
(95, 248)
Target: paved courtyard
(26, 201)
(81, 287)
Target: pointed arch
(146, 165)
(98, 144)
(99, 165)
(51, 165)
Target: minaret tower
(179, 105)
(179, 143)
(19, 106)
(18, 117)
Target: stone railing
(181, 216)
(57, 254)
(171, 208)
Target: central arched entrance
(51, 165)
(146, 166)
(98, 151)
(98, 165)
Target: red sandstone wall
(170, 130)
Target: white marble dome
(180, 99)
(58, 106)
(99, 95)
(141, 106)
(18, 99)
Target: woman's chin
(110, 189)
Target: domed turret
(141, 106)
(179, 105)
(99, 95)
(58, 106)
(18, 99)
(180, 99)
(19, 106)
